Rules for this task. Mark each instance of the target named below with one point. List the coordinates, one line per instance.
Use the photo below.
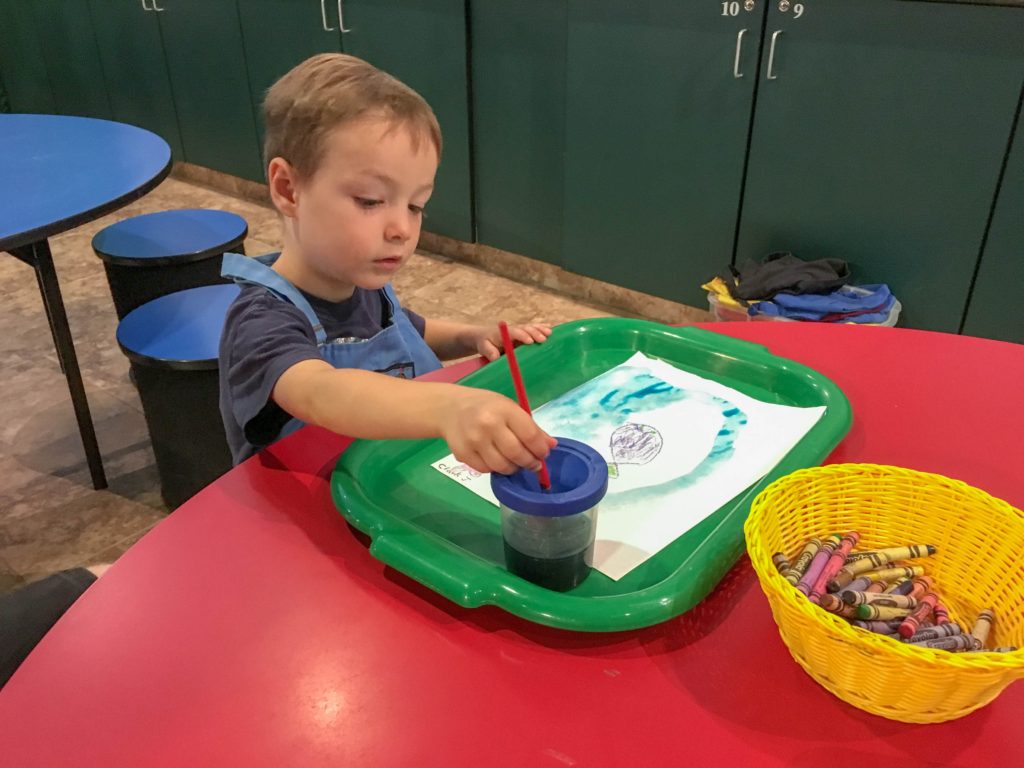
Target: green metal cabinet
(423, 43)
(67, 42)
(878, 137)
(518, 66)
(996, 309)
(658, 107)
(21, 66)
(278, 35)
(135, 68)
(206, 63)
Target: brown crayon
(982, 627)
(802, 561)
(920, 585)
(780, 562)
(924, 608)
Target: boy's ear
(282, 181)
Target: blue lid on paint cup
(579, 480)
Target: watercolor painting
(678, 447)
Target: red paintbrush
(517, 382)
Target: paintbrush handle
(517, 383)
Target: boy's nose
(399, 229)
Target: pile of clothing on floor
(784, 286)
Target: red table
(252, 627)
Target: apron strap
(256, 270)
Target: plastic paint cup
(549, 535)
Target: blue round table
(62, 172)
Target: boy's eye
(367, 202)
(417, 210)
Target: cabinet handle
(146, 7)
(323, 16)
(341, 19)
(771, 56)
(157, 8)
(739, 50)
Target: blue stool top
(180, 330)
(169, 237)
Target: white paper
(678, 446)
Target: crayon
(817, 564)
(802, 561)
(888, 574)
(897, 584)
(858, 585)
(855, 556)
(951, 643)
(878, 627)
(874, 598)
(833, 604)
(780, 562)
(934, 633)
(879, 559)
(924, 608)
(875, 588)
(941, 614)
(833, 564)
(982, 627)
(919, 586)
(881, 612)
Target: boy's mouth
(389, 262)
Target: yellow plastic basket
(979, 564)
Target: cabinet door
(278, 35)
(134, 68)
(21, 67)
(878, 138)
(207, 66)
(518, 66)
(658, 101)
(996, 310)
(67, 43)
(423, 43)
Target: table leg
(49, 319)
(42, 261)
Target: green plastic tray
(449, 539)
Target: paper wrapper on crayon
(817, 564)
(940, 614)
(982, 626)
(802, 561)
(934, 633)
(880, 612)
(912, 623)
(953, 643)
(781, 563)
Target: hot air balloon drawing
(633, 444)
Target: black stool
(159, 253)
(172, 343)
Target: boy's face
(358, 218)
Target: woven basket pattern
(979, 564)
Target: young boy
(317, 334)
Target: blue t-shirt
(264, 336)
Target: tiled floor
(50, 517)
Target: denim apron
(398, 350)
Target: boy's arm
(485, 430)
(451, 340)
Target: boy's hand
(488, 339)
(491, 433)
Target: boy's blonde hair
(329, 90)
